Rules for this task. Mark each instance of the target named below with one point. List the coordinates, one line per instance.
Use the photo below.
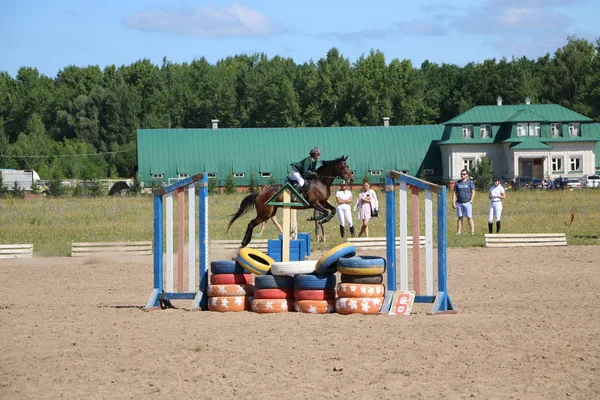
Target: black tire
(368, 279)
(273, 282)
(314, 282)
(227, 267)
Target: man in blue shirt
(462, 201)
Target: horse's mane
(326, 163)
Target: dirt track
(527, 327)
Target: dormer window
(556, 129)
(521, 129)
(574, 129)
(467, 131)
(534, 129)
(485, 131)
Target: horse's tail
(247, 204)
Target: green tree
(229, 184)
(482, 173)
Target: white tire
(293, 267)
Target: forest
(82, 123)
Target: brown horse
(317, 193)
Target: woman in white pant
(344, 212)
(497, 195)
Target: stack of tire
(231, 287)
(315, 292)
(273, 294)
(361, 290)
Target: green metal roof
(518, 113)
(271, 150)
(530, 144)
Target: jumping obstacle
(161, 296)
(289, 215)
(441, 301)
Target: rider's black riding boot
(352, 231)
(490, 227)
(342, 230)
(498, 226)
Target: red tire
(228, 304)
(315, 306)
(358, 305)
(266, 306)
(307, 294)
(274, 293)
(360, 290)
(231, 279)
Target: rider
(305, 169)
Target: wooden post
(416, 239)
(287, 220)
(180, 236)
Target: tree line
(82, 123)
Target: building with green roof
(532, 140)
(528, 140)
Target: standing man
(462, 201)
(497, 194)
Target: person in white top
(497, 195)
(344, 212)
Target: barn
(533, 140)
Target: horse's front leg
(329, 215)
(322, 212)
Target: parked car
(573, 183)
(591, 181)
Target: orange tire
(230, 290)
(228, 304)
(360, 290)
(315, 306)
(265, 306)
(308, 294)
(358, 305)
(231, 279)
(274, 293)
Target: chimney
(499, 100)
(386, 121)
(215, 123)
(527, 100)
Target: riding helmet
(314, 151)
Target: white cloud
(234, 21)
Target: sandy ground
(528, 327)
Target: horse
(316, 194)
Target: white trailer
(23, 179)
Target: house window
(265, 174)
(557, 165)
(376, 172)
(575, 164)
(468, 163)
(467, 131)
(239, 175)
(485, 130)
(574, 129)
(212, 175)
(556, 129)
(534, 129)
(158, 176)
(183, 175)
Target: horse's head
(343, 170)
(336, 169)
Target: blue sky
(51, 35)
